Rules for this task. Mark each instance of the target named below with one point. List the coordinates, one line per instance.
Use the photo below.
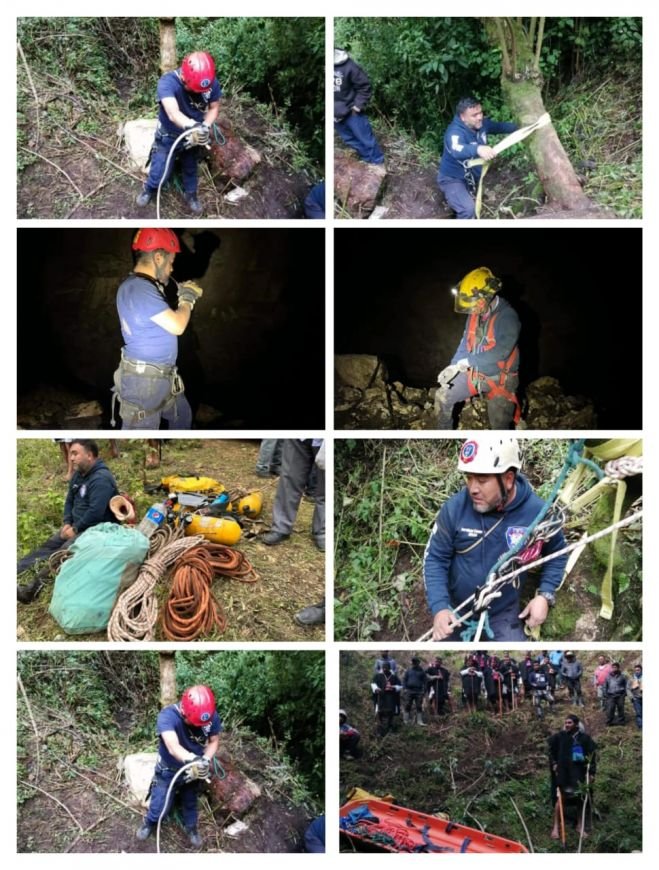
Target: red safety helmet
(155, 239)
(198, 705)
(198, 71)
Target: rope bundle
(191, 608)
(626, 466)
(136, 612)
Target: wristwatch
(551, 598)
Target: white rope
(500, 581)
(626, 466)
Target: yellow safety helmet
(248, 506)
(476, 285)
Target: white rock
(138, 139)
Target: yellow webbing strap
(507, 142)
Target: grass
(291, 575)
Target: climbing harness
(496, 385)
(149, 371)
(503, 145)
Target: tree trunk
(523, 94)
(167, 45)
(167, 678)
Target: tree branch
(34, 724)
(53, 798)
(34, 90)
(538, 45)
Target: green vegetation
(92, 73)
(276, 698)
(388, 493)
(473, 765)
(591, 80)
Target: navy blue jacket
(88, 499)
(193, 105)
(506, 334)
(351, 88)
(450, 577)
(461, 144)
(193, 738)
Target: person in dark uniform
(87, 504)
(188, 99)
(572, 765)
(188, 733)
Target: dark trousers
(638, 710)
(186, 157)
(52, 545)
(415, 698)
(459, 198)
(500, 411)
(357, 133)
(386, 720)
(297, 462)
(615, 704)
(186, 791)
(505, 625)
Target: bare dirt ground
(81, 176)
(83, 808)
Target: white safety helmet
(489, 454)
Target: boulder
(234, 794)
(359, 370)
(138, 770)
(234, 158)
(357, 184)
(138, 138)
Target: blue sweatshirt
(506, 334)
(450, 576)
(88, 499)
(461, 143)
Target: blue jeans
(269, 458)
(638, 710)
(187, 158)
(44, 551)
(187, 792)
(459, 198)
(357, 133)
(145, 401)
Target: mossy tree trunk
(167, 678)
(521, 83)
(167, 44)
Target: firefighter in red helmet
(147, 383)
(188, 99)
(188, 734)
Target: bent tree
(520, 42)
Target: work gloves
(450, 372)
(200, 769)
(190, 292)
(199, 135)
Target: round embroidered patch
(205, 83)
(468, 451)
(205, 717)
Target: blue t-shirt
(191, 104)
(191, 738)
(138, 300)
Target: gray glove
(199, 135)
(189, 291)
(200, 769)
(446, 375)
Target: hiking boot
(145, 831)
(26, 594)
(419, 720)
(272, 538)
(194, 837)
(193, 203)
(314, 615)
(143, 198)
(320, 543)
